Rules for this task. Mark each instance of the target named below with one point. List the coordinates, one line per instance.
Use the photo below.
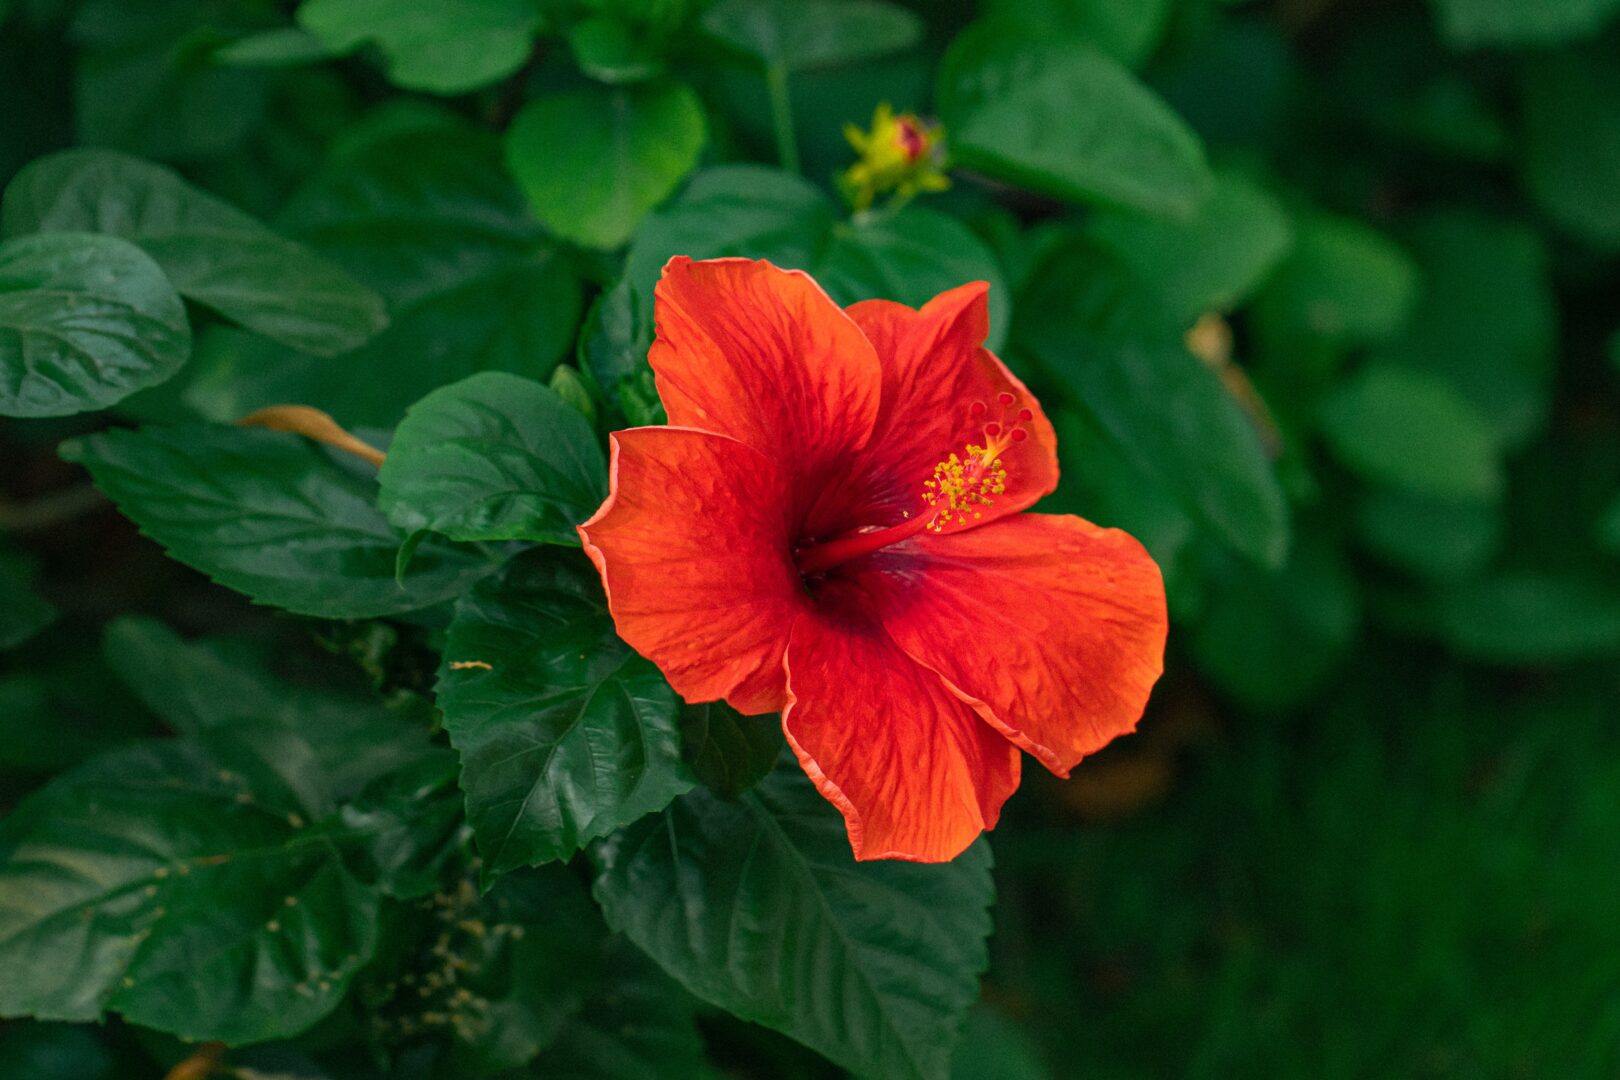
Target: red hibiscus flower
(829, 527)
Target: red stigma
(992, 429)
(1005, 398)
(1025, 416)
(1019, 434)
(977, 409)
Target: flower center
(962, 486)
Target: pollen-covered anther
(962, 486)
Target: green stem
(787, 148)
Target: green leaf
(1126, 30)
(285, 46)
(34, 1051)
(1004, 93)
(993, 1048)
(1209, 262)
(1406, 428)
(428, 217)
(757, 906)
(432, 46)
(1471, 24)
(185, 886)
(213, 684)
(22, 613)
(761, 213)
(727, 751)
(613, 352)
(143, 82)
(1486, 318)
(1530, 617)
(593, 162)
(1175, 420)
(85, 321)
(272, 516)
(494, 457)
(1433, 538)
(1342, 280)
(1272, 639)
(211, 251)
(414, 834)
(567, 734)
(796, 35)
(1572, 142)
(636, 1024)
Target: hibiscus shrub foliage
(323, 754)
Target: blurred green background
(1323, 297)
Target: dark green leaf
(637, 1024)
(144, 84)
(758, 906)
(613, 351)
(1469, 24)
(1572, 142)
(1005, 92)
(428, 217)
(414, 835)
(1485, 319)
(34, 1051)
(429, 45)
(272, 516)
(993, 1048)
(567, 734)
(199, 686)
(796, 35)
(1342, 280)
(766, 214)
(1533, 618)
(1126, 30)
(1272, 639)
(1435, 538)
(22, 613)
(85, 321)
(1411, 430)
(593, 162)
(1176, 421)
(184, 886)
(727, 751)
(1211, 261)
(494, 457)
(211, 251)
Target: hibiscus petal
(693, 547)
(1051, 627)
(934, 368)
(916, 774)
(763, 355)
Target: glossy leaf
(565, 734)
(494, 457)
(727, 751)
(758, 906)
(1004, 92)
(211, 251)
(85, 321)
(442, 49)
(184, 886)
(594, 162)
(272, 516)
